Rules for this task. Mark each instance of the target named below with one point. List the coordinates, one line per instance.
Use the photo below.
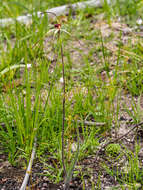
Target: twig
(28, 171)
(91, 123)
(135, 126)
(119, 138)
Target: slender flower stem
(64, 93)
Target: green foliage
(113, 150)
(94, 86)
(131, 174)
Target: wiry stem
(63, 122)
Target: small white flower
(29, 66)
(139, 21)
(61, 80)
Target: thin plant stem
(63, 122)
(64, 93)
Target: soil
(92, 167)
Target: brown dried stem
(29, 168)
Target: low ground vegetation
(103, 135)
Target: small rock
(45, 178)
(45, 185)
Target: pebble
(45, 185)
(45, 178)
